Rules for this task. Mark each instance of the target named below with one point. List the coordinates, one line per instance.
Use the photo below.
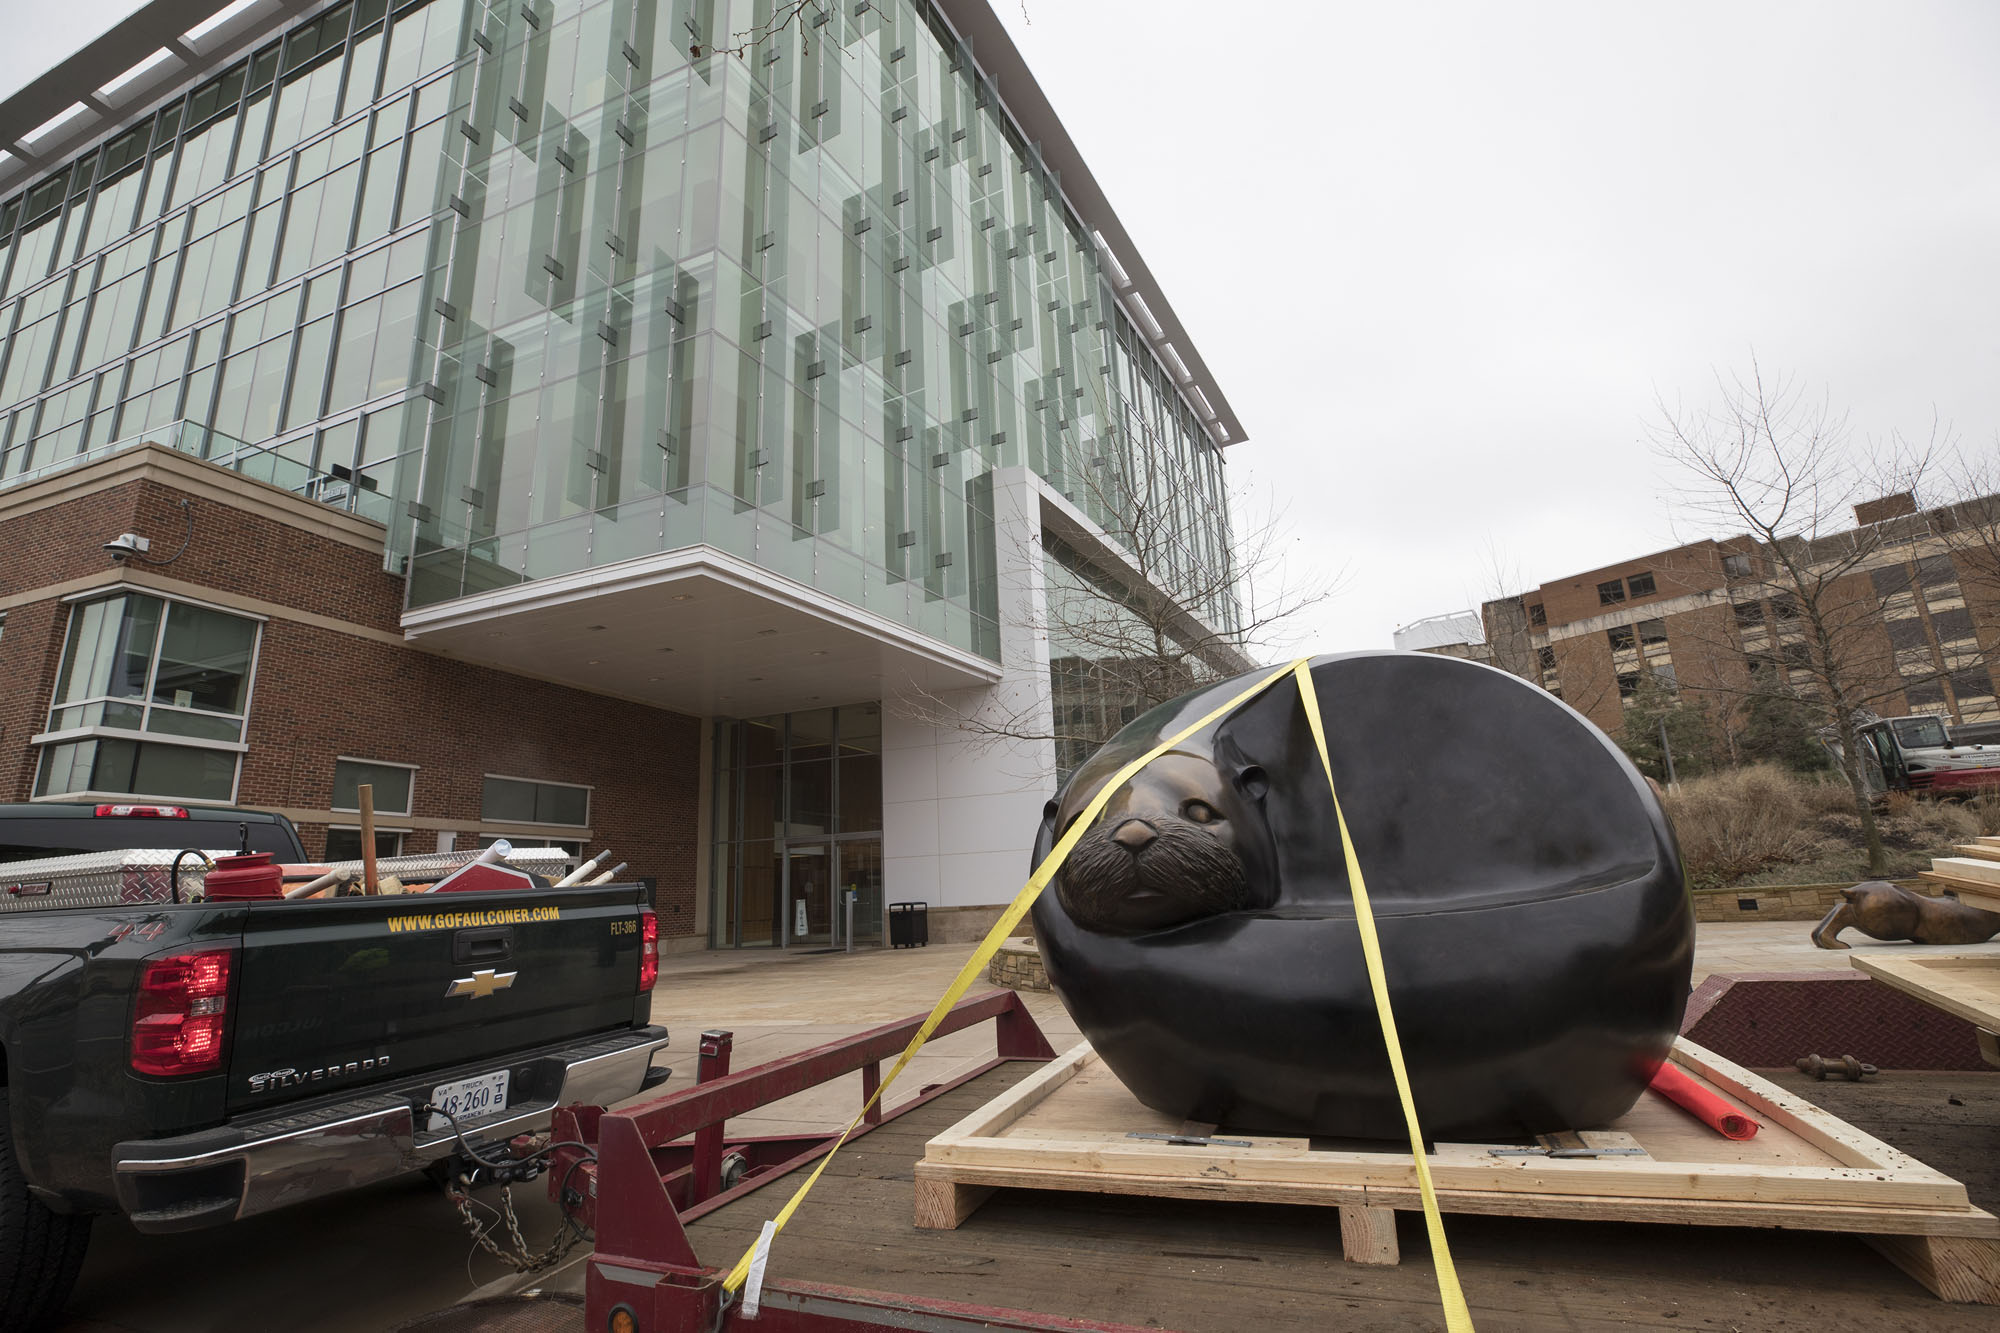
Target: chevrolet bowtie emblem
(482, 982)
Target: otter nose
(1133, 835)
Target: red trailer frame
(648, 1177)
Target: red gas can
(253, 875)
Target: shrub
(1985, 811)
(1735, 823)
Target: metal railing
(338, 488)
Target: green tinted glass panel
(205, 660)
(391, 784)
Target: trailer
(1017, 1196)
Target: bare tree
(1767, 461)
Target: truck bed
(1205, 1267)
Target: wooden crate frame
(1068, 1128)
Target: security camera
(126, 545)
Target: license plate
(469, 1098)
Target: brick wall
(349, 687)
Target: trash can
(909, 925)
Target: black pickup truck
(191, 1064)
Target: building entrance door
(809, 902)
(860, 875)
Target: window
(1652, 631)
(1783, 607)
(1610, 594)
(135, 669)
(1548, 659)
(344, 844)
(1640, 585)
(1797, 655)
(522, 801)
(1538, 614)
(1628, 684)
(1620, 637)
(392, 783)
(1736, 566)
(1749, 615)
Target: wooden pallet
(1070, 1127)
(1965, 985)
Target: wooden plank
(943, 1204)
(1855, 1219)
(1368, 1236)
(1956, 1268)
(1138, 1162)
(1801, 1118)
(1971, 892)
(1965, 985)
(1024, 1096)
(1969, 868)
(1979, 851)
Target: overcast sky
(1442, 258)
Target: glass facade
(237, 275)
(544, 289)
(795, 304)
(798, 824)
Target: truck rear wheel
(40, 1249)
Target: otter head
(1184, 839)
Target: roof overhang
(699, 631)
(159, 48)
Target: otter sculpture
(1890, 912)
(1536, 933)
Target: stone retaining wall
(1018, 965)
(1780, 902)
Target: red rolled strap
(1702, 1103)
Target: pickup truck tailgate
(354, 991)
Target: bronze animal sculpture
(1184, 839)
(1535, 928)
(1890, 912)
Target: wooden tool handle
(366, 793)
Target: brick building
(264, 662)
(1917, 615)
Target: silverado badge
(482, 982)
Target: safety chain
(568, 1233)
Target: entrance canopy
(697, 631)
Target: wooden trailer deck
(1204, 1267)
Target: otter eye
(1199, 812)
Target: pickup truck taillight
(180, 1018)
(649, 949)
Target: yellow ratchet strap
(1457, 1318)
(976, 965)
